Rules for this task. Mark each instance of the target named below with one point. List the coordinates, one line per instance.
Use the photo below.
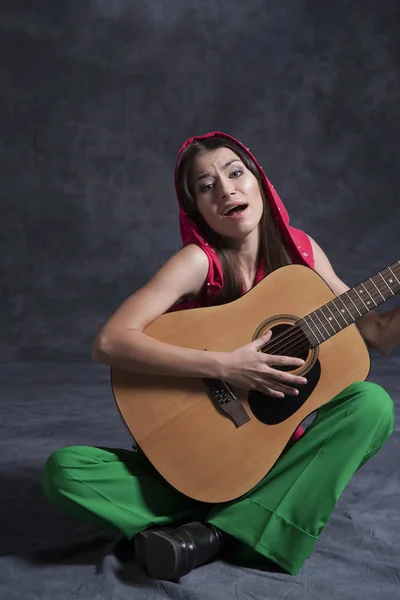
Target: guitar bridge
(225, 401)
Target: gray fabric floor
(46, 555)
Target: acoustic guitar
(214, 443)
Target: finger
(284, 361)
(287, 378)
(273, 393)
(262, 340)
(279, 387)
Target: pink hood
(298, 242)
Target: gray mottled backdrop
(96, 98)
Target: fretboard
(337, 314)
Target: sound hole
(296, 345)
(271, 410)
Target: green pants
(280, 519)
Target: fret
(355, 306)
(327, 320)
(373, 282)
(390, 278)
(308, 332)
(332, 303)
(323, 339)
(327, 306)
(359, 292)
(316, 314)
(393, 275)
(368, 301)
(387, 285)
(342, 310)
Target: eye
(236, 173)
(207, 187)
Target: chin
(241, 233)
(235, 230)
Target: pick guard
(272, 411)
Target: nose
(225, 187)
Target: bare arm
(122, 343)
(370, 325)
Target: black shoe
(172, 552)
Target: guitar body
(196, 448)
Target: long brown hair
(273, 252)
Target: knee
(54, 476)
(374, 403)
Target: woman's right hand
(252, 370)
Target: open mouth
(235, 210)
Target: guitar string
(291, 336)
(284, 334)
(288, 337)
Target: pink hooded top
(297, 241)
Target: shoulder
(195, 258)
(317, 250)
(323, 267)
(182, 275)
(190, 264)
(195, 255)
(320, 258)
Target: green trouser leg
(114, 489)
(280, 519)
(283, 516)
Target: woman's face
(227, 194)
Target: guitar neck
(329, 319)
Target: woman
(235, 230)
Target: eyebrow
(207, 174)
